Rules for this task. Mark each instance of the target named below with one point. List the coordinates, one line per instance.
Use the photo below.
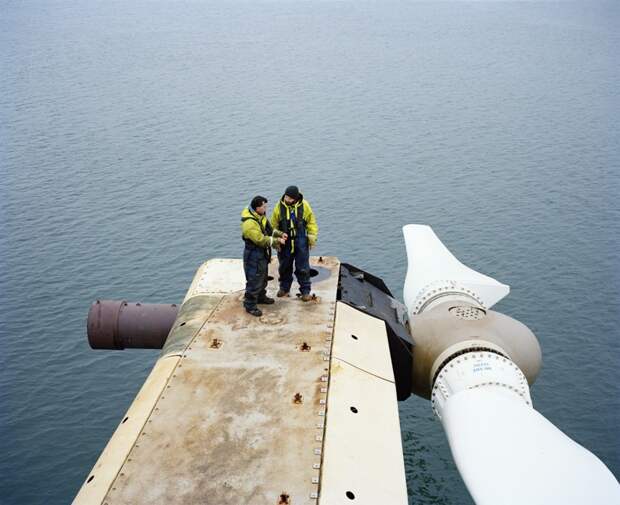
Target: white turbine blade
(507, 453)
(430, 262)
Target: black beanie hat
(293, 192)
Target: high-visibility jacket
(295, 220)
(257, 232)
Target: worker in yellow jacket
(259, 238)
(293, 216)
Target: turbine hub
(478, 369)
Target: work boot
(266, 300)
(306, 297)
(281, 293)
(255, 311)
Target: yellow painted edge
(109, 464)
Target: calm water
(132, 133)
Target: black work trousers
(301, 258)
(255, 264)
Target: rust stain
(319, 394)
(315, 299)
(284, 499)
(304, 347)
(216, 344)
(298, 399)
(272, 318)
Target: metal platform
(234, 411)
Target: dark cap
(257, 202)
(293, 192)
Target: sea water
(133, 133)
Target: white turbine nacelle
(476, 365)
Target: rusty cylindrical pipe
(114, 324)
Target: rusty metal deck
(295, 407)
(240, 418)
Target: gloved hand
(312, 240)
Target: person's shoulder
(307, 205)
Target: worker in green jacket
(293, 216)
(259, 238)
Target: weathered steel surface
(240, 420)
(217, 276)
(362, 456)
(113, 457)
(191, 318)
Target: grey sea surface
(132, 133)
